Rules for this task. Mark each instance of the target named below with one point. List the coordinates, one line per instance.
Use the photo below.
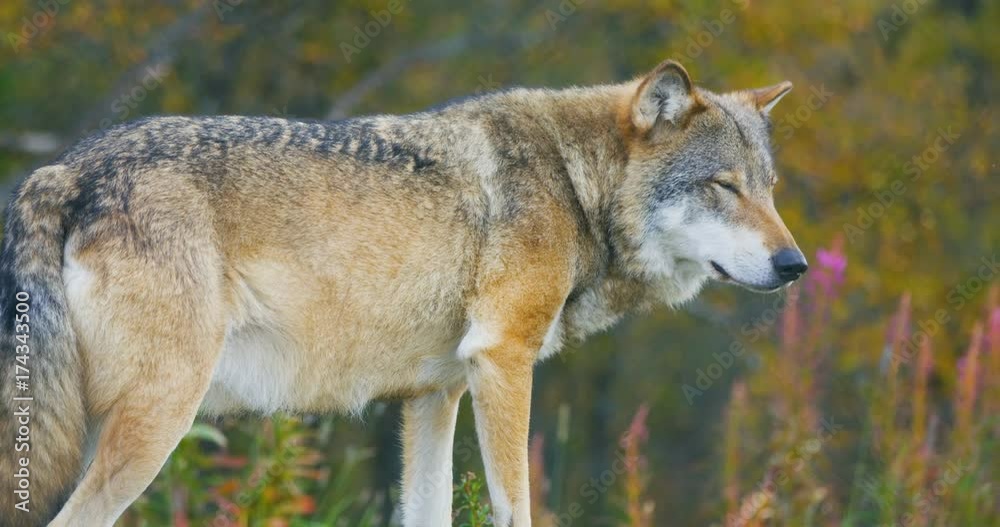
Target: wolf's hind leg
(138, 434)
(150, 334)
(137, 438)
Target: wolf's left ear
(765, 98)
(665, 94)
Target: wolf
(216, 265)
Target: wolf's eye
(728, 186)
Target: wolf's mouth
(726, 277)
(719, 269)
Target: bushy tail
(42, 416)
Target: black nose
(789, 264)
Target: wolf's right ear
(765, 98)
(665, 95)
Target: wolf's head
(699, 181)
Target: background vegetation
(868, 396)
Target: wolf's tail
(43, 423)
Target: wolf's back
(42, 416)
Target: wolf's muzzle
(789, 263)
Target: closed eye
(728, 186)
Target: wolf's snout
(789, 264)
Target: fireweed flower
(895, 337)
(993, 340)
(823, 281)
(968, 380)
(831, 264)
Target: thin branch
(32, 143)
(432, 51)
(394, 68)
(161, 54)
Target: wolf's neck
(587, 129)
(590, 128)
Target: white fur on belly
(256, 372)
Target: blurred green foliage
(888, 141)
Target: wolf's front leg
(500, 382)
(522, 286)
(428, 435)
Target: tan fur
(314, 267)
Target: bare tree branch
(33, 143)
(160, 55)
(432, 51)
(394, 68)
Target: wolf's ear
(765, 98)
(665, 95)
